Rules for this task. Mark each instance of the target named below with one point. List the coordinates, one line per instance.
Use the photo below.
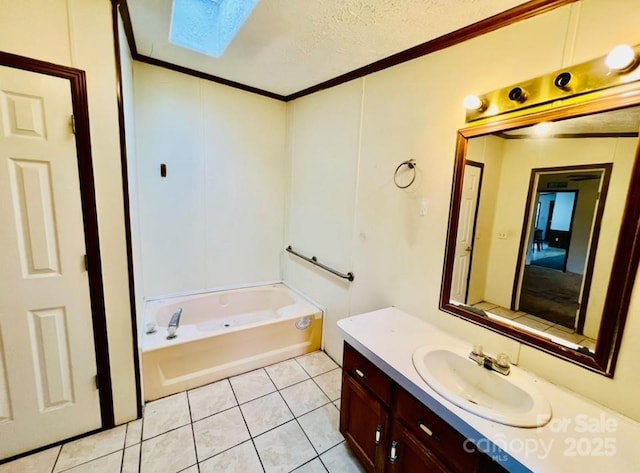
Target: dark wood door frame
(78, 86)
(595, 234)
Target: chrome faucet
(172, 328)
(500, 364)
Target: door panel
(464, 240)
(47, 352)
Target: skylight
(208, 26)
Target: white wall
(488, 150)
(413, 111)
(69, 32)
(519, 158)
(322, 193)
(218, 217)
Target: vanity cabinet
(364, 409)
(391, 431)
(408, 454)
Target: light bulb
(621, 58)
(542, 129)
(473, 102)
(492, 110)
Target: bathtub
(222, 334)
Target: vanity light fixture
(563, 81)
(621, 66)
(475, 103)
(622, 58)
(518, 94)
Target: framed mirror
(543, 241)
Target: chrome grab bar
(314, 260)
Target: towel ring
(411, 164)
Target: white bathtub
(224, 333)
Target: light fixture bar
(619, 67)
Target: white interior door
(464, 239)
(47, 353)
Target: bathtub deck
(283, 417)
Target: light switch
(424, 206)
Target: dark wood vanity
(391, 431)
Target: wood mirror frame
(626, 257)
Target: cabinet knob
(378, 434)
(394, 451)
(428, 431)
(360, 373)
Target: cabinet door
(408, 455)
(364, 424)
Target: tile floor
(537, 323)
(280, 418)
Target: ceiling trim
(131, 40)
(501, 20)
(203, 75)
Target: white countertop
(582, 436)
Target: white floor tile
(131, 460)
(340, 460)
(165, 414)
(572, 337)
(284, 448)
(314, 466)
(524, 320)
(265, 413)
(316, 363)
(41, 462)
(168, 453)
(219, 432)
(191, 469)
(211, 399)
(322, 427)
(89, 448)
(286, 373)
(337, 403)
(330, 383)
(242, 458)
(506, 313)
(303, 397)
(134, 433)
(252, 385)
(109, 464)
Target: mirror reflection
(540, 213)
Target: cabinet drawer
(446, 442)
(367, 374)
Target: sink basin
(511, 400)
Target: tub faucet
(172, 328)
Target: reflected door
(466, 225)
(47, 353)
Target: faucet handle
(477, 350)
(503, 361)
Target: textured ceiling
(290, 45)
